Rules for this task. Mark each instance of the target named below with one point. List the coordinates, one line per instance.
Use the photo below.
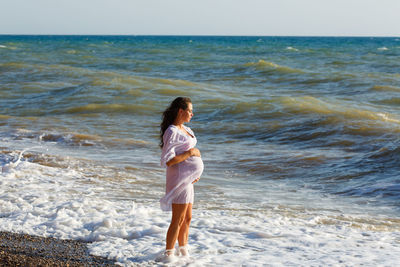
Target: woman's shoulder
(171, 130)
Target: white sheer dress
(179, 177)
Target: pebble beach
(27, 250)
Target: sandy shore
(27, 250)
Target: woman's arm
(184, 156)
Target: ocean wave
(317, 79)
(171, 92)
(40, 86)
(5, 117)
(361, 222)
(137, 85)
(9, 47)
(267, 66)
(66, 138)
(113, 108)
(35, 69)
(112, 80)
(12, 66)
(72, 51)
(75, 139)
(387, 88)
(179, 83)
(343, 62)
(297, 119)
(292, 48)
(71, 139)
(239, 109)
(388, 190)
(309, 104)
(395, 101)
(389, 151)
(116, 83)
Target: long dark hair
(169, 115)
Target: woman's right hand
(195, 152)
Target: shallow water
(299, 137)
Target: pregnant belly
(192, 167)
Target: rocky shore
(27, 250)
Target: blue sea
(299, 137)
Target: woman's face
(187, 114)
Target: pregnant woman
(184, 168)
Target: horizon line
(203, 35)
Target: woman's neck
(179, 125)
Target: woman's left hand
(195, 181)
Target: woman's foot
(167, 257)
(184, 251)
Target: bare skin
(179, 227)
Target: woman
(184, 168)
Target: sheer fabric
(179, 177)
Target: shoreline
(28, 250)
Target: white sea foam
(383, 48)
(13, 164)
(292, 48)
(69, 203)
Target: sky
(202, 17)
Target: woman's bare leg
(178, 219)
(184, 229)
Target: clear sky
(202, 17)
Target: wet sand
(27, 250)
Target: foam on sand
(69, 203)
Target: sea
(300, 138)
